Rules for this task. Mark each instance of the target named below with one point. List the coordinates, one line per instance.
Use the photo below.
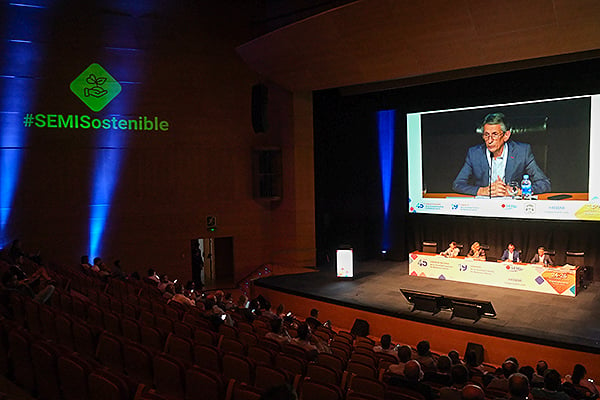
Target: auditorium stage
(565, 322)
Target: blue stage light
(386, 130)
(111, 146)
(107, 165)
(26, 5)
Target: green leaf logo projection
(95, 87)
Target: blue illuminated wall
(136, 196)
(386, 130)
(19, 78)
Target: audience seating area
(119, 339)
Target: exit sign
(211, 223)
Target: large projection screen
(563, 135)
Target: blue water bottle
(526, 187)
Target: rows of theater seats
(120, 340)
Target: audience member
(228, 302)
(152, 277)
(179, 296)
(215, 314)
(518, 387)
(552, 389)
(117, 270)
(85, 264)
(313, 321)
(105, 270)
(460, 376)
(528, 371)
(385, 346)
(243, 310)
(169, 292)
(442, 376)
(513, 359)
(190, 290)
(242, 301)
(220, 298)
(303, 341)
(501, 382)
(472, 392)
(254, 307)
(538, 376)
(96, 265)
(413, 374)
(473, 365)
(455, 357)
(578, 386)
(267, 311)
(15, 252)
(404, 356)
(100, 268)
(424, 357)
(277, 333)
(38, 286)
(164, 281)
(280, 311)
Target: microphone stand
(490, 170)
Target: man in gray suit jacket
(505, 160)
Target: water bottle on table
(526, 188)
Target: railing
(260, 272)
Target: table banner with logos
(537, 278)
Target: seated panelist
(451, 251)
(511, 254)
(476, 252)
(541, 257)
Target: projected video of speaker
(516, 160)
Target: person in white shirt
(451, 251)
(510, 254)
(386, 346)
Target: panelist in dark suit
(510, 254)
(541, 257)
(504, 159)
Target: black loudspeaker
(260, 100)
(466, 309)
(478, 349)
(360, 328)
(430, 247)
(426, 303)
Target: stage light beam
(386, 129)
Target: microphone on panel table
(490, 169)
